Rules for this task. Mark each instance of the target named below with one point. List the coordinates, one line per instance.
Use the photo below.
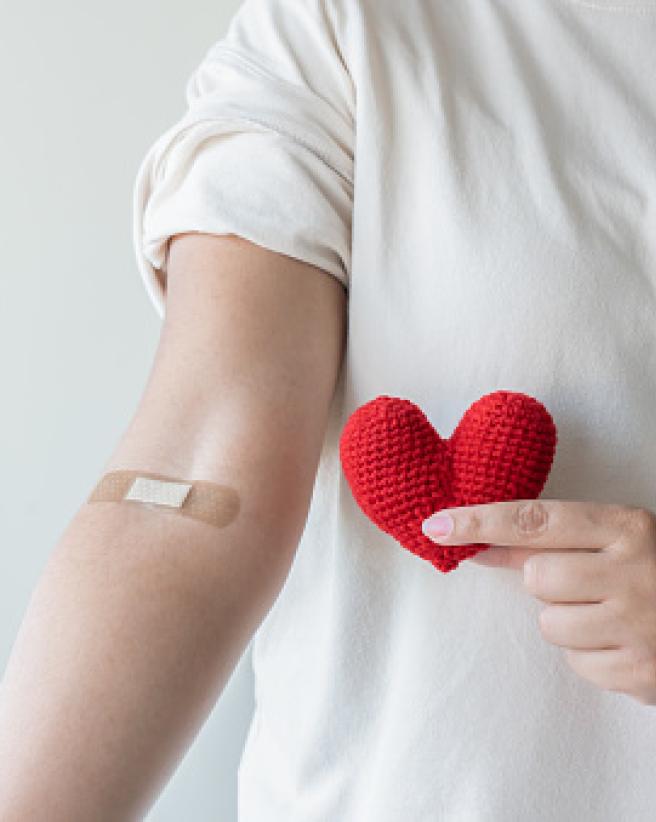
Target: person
(428, 200)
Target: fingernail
(438, 525)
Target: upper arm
(244, 373)
(254, 186)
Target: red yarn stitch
(400, 470)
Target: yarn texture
(400, 470)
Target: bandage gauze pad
(200, 499)
(400, 470)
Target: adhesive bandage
(203, 500)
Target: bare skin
(140, 615)
(593, 564)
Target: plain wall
(85, 89)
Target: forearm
(130, 635)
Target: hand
(594, 564)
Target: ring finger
(586, 627)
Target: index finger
(539, 524)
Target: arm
(140, 616)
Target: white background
(85, 89)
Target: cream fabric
(480, 176)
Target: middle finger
(569, 576)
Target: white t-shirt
(480, 175)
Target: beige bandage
(207, 501)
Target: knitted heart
(401, 471)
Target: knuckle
(530, 518)
(615, 514)
(640, 521)
(636, 576)
(629, 573)
(470, 524)
(619, 608)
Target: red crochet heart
(401, 471)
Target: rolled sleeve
(262, 151)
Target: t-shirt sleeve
(264, 149)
